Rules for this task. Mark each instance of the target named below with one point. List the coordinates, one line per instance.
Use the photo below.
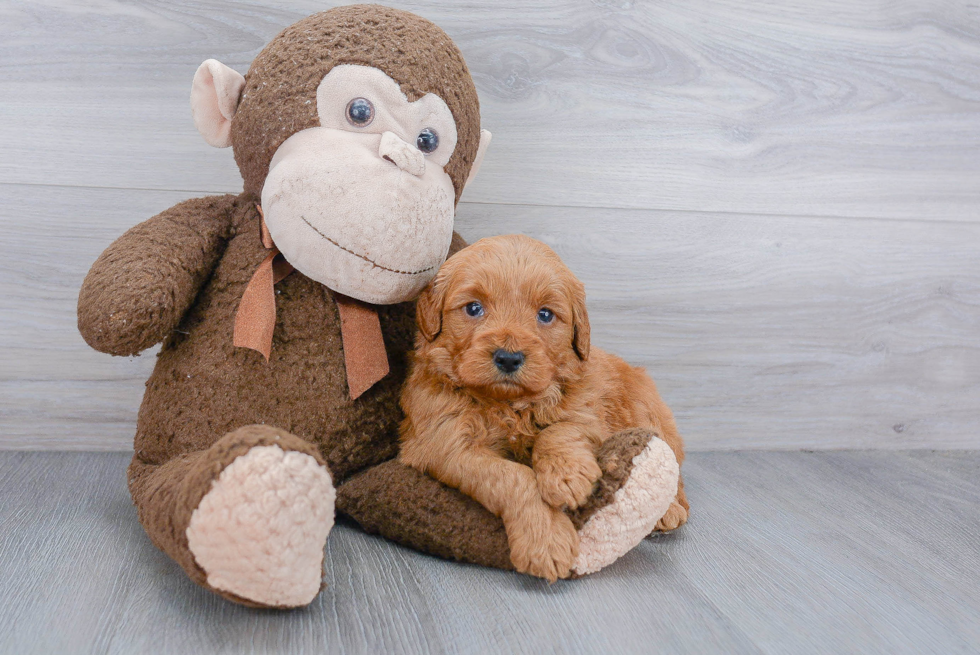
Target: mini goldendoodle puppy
(508, 402)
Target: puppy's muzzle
(508, 361)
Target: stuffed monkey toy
(286, 316)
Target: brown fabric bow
(365, 357)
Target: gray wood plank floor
(845, 552)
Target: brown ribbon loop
(264, 233)
(256, 317)
(365, 357)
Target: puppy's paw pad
(675, 517)
(566, 482)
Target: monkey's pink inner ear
(214, 100)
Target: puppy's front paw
(675, 517)
(566, 481)
(543, 543)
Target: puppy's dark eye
(360, 112)
(474, 309)
(545, 315)
(427, 140)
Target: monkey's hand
(138, 290)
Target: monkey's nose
(508, 361)
(409, 159)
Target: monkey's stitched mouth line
(360, 256)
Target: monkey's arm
(542, 539)
(138, 289)
(454, 457)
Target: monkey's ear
(485, 137)
(581, 336)
(428, 309)
(214, 101)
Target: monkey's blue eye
(427, 140)
(360, 112)
(474, 309)
(545, 315)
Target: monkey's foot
(259, 533)
(639, 483)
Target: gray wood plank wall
(774, 206)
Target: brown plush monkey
(285, 311)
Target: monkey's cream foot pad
(634, 511)
(260, 531)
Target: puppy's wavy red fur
(522, 443)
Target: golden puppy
(508, 403)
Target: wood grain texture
(855, 552)
(774, 206)
(793, 333)
(839, 108)
(800, 333)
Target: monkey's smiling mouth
(360, 256)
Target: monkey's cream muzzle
(359, 212)
(354, 204)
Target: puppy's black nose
(507, 361)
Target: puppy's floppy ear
(581, 337)
(428, 308)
